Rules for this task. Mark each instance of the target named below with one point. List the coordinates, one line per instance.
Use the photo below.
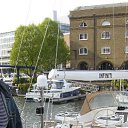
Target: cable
(40, 49)
(37, 60)
(57, 46)
(30, 2)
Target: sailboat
(101, 117)
(111, 116)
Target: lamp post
(41, 83)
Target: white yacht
(122, 96)
(57, 91)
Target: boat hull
(66, 99)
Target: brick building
(99, 37)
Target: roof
(101, 6)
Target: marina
(99, 108)
(107, 104)
(28, 110)
(79, 63)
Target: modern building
(99, 37)
(64, 27)
(6, 42)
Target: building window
(105, 50)
(126, 49)
(105, 35)
(83, 24)
(83, 51)
(83, 36)
(106, 23)
(126, 34)
(126, 23)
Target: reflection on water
(28, 110)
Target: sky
(14, 13)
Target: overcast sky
(16, 12)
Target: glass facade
(65, 28)
(6, 42)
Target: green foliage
(21, 80)
(51, 51)
(117, 83)
(36, 45)
(23, 87)
(26, 47)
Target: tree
(26, 46)
(36, 46)
(53, 54)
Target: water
(28, 110)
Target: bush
(23, 87)
(117, 83)
(21, 80)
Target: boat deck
(66, 99)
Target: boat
(101, 117)
(34, 94)
(62, 91)
(57, 91)
(122, 96)
(66, 116)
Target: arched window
(83, 51)
(106, 23)
(83, 24)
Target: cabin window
(83, 24)
(105, 35)
(105, 50)
(83, 36)
(83, 51)
(106, 23)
